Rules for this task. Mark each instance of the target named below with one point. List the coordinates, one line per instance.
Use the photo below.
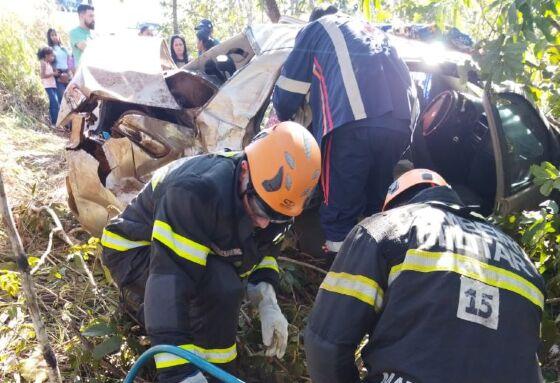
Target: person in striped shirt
(361, 95)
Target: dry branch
(318, 269)
(45, 254)
(59, 230)
(28, 288)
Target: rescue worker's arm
(269, 244)
(345, 309)
(295, 79)
(184, 221)
(263, 282)
(266, 271)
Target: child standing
(46, 58)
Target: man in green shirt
(80, 35)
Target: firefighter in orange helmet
(182, 250)
(443, 295)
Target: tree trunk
(272, 10)
(175, 20)
(28, 287)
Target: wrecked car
(132, 116)
(135, 112)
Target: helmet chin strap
(244, 178)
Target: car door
(520, 138)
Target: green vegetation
(22, 32)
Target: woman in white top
(62, 63)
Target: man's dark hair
(83, 8)
(205, 24)
(322, 10)
(204, 36)
(43, 52)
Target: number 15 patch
(479, 303)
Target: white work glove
(196, 378)
(274, 325)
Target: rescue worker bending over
(182, 249)
(443, 296)
(361, 94)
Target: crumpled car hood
(128, 69)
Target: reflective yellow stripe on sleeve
(425, 261)
(268, 263)
(228, 153)
(182, 246)
(357, 286)
(158, 176)
(119, 243)
(215, 355)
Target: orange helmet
(284, 165)
(410, 179)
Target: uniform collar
(440, 195)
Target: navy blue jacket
(442, 295)
(354, 75)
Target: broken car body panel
(156, 113)
(123, 69)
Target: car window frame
(498, 147)
(507, 200)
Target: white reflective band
(116, 242)
(426, 261)
(268, 263)
(294, 86)
(182, 246)
(357, 286)
(346, 69)
(217, 355)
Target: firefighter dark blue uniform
(444, 297)
(361, 95)
(179, 254)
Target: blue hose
(187, 355)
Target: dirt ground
(33, 168)
(93, 341)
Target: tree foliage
(231, 16)
(23, 29)
(538, 232)
(517, 40)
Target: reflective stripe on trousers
(214, 355)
